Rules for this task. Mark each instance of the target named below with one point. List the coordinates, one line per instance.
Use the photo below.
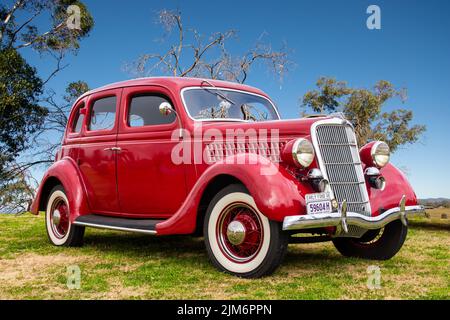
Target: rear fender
(276, 192)
(64, 172)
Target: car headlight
(380, 154)
(303, 152)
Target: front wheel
(239, 239)
(60, 231)
(380, 244)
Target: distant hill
(434, 199)
(435, 202)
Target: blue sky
(328, 38)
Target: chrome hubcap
(239, 232)
(56, 217)
(59, 218)
(236, 233)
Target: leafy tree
(23, 94)
(364, 108)
(18, 30)
(21, 89)
(20, 113)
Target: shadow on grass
(173, 247)
(142, 246)
(135, 245)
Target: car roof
(175, 83)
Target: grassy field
(128, 266)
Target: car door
(97, 154)
(150, 184)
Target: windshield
(213, 103)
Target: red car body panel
(396, 186)
(276, 195)
(144, 166)
(65, 172)
(141, 181)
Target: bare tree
(192, 54)
(55, 123)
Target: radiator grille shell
(338, 157)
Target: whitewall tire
(239, 239)
(60, 231)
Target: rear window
(144, 111)
(103, 114)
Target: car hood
(286, 128)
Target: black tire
(273, 244)
(381, 245)
(68, 235)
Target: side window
(103, 114)
(144, 111)
(77, 122)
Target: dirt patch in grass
(26, 267)
(27, 270)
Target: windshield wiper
(219, 93)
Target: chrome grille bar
(217, 151)
(338, 157)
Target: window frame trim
(128, 108)
(90, 103)
(75, 110)
(129, 93)
(224, 119)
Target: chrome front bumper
(343, 219)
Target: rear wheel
(60, 231)
(380, 244)
(238, 238)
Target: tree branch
(42, 36)
(14, 34)
(58, 67)
(8, 17)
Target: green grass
(129, 266)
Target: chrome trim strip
(101, 226)
(224, 89)
(334, 219)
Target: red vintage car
(166, 156)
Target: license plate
(318, 203)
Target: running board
(147, 226)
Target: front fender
(65, 172)
(276, 192)
(397, 185)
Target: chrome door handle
(113, 149)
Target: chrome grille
(340, 163)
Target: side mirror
(165, 108)
(83, 111)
